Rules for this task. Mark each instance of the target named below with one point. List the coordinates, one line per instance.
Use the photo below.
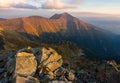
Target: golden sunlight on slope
(36, 25)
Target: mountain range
(2, 19)
(35, 30)
(110, 24)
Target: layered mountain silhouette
(59, 28)
(2, 19)
(36, 25)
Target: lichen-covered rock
(53, 66)
(50, 61)
(26, 63)
(26, 80)
(36, 65)
(70, 76)
(49, 55)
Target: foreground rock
(37, 65)
(45, 65)
(26, 63)
(50, 61)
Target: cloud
(37, 4)
(76, 2)
(24, 5)
(56, 4)
(16, 4)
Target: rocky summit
(35, 66)
(46, 65)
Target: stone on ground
(26, 63)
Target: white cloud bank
(56, 4)
(48, 4)
(16, 4)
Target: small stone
(71, 76)
(60, 71)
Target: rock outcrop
(26, 63)
(45, 65)
(36, 65)
(50, 61)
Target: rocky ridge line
(37, 65)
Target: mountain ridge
(23, 23)
(2, 19)
(60, 28)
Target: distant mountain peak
(2, 19)
(66, 14)
(63, 15)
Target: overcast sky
(23, 8)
